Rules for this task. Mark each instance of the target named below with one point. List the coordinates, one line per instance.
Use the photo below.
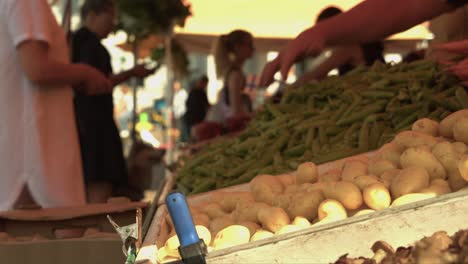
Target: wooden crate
(153, 235)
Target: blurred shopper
(366, 22)
(179, 100)
(197, 103)
(101, 147)
(231, 52)
(39, 158)
(343, 58)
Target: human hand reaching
(94, 82)
(459, 68)
(141, 71)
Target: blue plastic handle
(182, 219)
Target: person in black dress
(104, 164)
(197, 103)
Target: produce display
(426, 162)
(438, 248)
(332, 119)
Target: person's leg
(98, 192)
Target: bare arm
(235, 86)
(41, 70)
(368, 21)
(138, 71)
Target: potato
(409, 180)
(253, 227)
(265, 188)
(203, 233)
(214, 210)
(379, 166)
(352, 169)
(446, 153)
(330, 176)
(287, 179)
(463, 166)
(377, 196)
(460, 147)
(456, 181)
(247, 211)
(172, 246)
(231, 236)
(387, 177)
(291, 189)
(331, 210)
(307, 172)
(437, 187)
(364, 212)
(230, 199)
(201, 219)
(163, 257)
(421, 156)
(305, 205)
(288, 229)
(346, 193)
(283, 200)
(261, 234)
(426, 126)
(319, 186)
(408, 139)
(365, 180)
(301, 222)
(411, 198)
(390, 151)
(273, 218)
(446, 125)
(274, 183)
(220, 223)
(460, 130)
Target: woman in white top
(39, 152)
(230, 53)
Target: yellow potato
(307, 172)
(409, 180)
(456, 181)
(287, 179)
(364, 212)
(353, 169)
(273, 182)
(230, 199)
(390, 151)
(305, 205)
(253, 227)
(283, 200)
(346, 193)
(331, 210)
(447, 154)
(437, 187)
(365, 180)
(446, 125)
(214, 210)
(291, 189)
(378, 167)
(172, 247)
(261, 234)
(288, 229)
(273, 218)
(388, 176)
(460, 147)
(426, 126)
(463, 166)
(422, 157)
(301, 222)
(203, 233)
(377, 196)
(330, 176)
(408, 139)
(220, 223)
(411, 198)
(247, 211)
(231, 236)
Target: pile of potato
(429, 161)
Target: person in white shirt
(39, 151)
(179, 108)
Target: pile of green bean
(325, 121)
